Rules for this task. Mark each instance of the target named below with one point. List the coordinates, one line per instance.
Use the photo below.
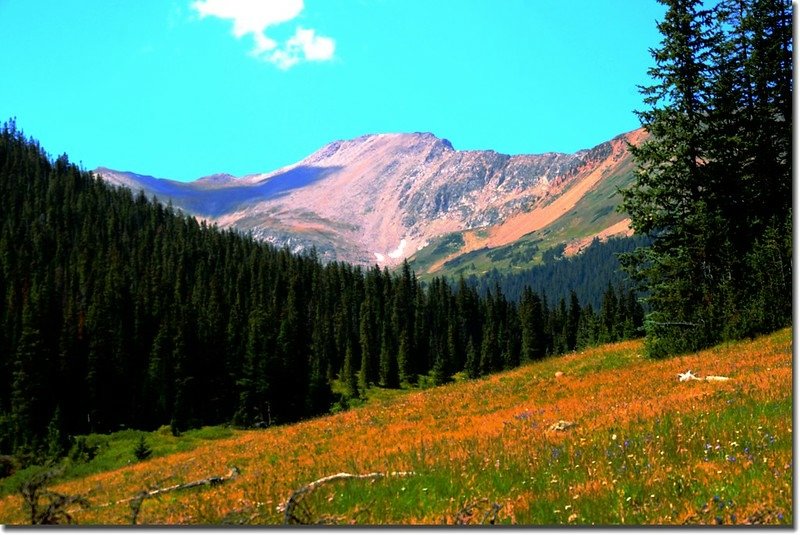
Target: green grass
(115, 450)
(611, 360)
(637, 454)
(646, 472)
(438, 248)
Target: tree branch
(289, 516)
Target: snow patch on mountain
(398, 253)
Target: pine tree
(587, 329)
(253, 383)
(388, 359)
(439, 371)
(158, 383)
(608, 316)
(490, 350)
(142, 450)
(348, 376)
(558, 326)
(472, 365)
(715, 169)
(455, 350)
(26, 389)
(183, 404)
(289, 389)
(666, 201)
(573, 320)
(56, 442)
(513, 344)
(404, 363)
(366, 372)
(320, 394)
(531, 325)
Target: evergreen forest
(120, 312)
(587, 274)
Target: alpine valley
(383, 198)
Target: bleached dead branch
(689, 376)
(288, 508)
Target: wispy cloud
(255, 17)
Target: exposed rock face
(379, 198)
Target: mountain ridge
(384, 197)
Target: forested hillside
(119, 312)
(588, 274)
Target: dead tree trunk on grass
(136, 501)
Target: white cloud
(314, 47)
(303, 45)
(283, 59)
(256, 16)
(250, 16)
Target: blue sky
(185, 88)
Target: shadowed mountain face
(216, 195)
(385, 197)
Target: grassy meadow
(645, 449)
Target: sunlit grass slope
(646, 449)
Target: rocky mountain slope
(385, 197)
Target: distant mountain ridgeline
(116, 312)
(383, 198)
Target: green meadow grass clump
(96, 453)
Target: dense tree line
(117, 311)
(587, 274)
(713, 186)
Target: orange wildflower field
(636, 446)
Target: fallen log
(689, 376)
(136, 501)
(210, 481)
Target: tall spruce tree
(573, 320)
(366, 340)
(667, 200)
(718, 117)
(348, 377)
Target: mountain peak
(399, 138)
(384, 146)
(419, 136)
